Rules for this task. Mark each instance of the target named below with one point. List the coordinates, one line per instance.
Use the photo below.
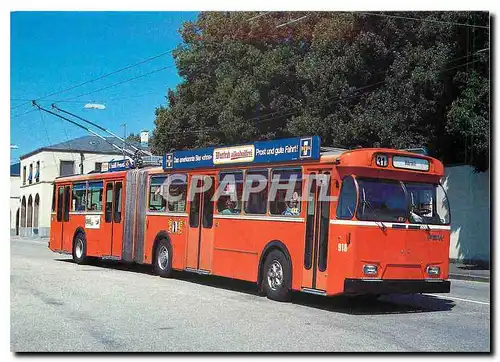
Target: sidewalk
(30, 238)
(469, 272)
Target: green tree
(352, 78)
(132, 137)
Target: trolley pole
(124, 138)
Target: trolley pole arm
(132, 154)
(102, 129)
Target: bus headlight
(370, 269)
(433, 270)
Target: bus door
(200, 229)
(113, 228)
(315, 268)
(62, 238)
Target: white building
(469, 196)
(40, 168)
(15, 204)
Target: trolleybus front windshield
(395, 201)
(381, 200)
(427, 203)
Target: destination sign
(410, 163)
(281, 150)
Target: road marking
(469, 281)
(455, 298)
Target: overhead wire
(91, 101)
(259, 16)
(118, 83)
(424, 20)
(102, 76)
(47, 134)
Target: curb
(36, 240)
(475, 278)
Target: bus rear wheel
(80, 249)
(277, 277)
(162, 262)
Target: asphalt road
(57, 305)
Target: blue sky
(52, 51)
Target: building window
(30, 176)
(24, 175)
(98, 166)
(67, 168)
(37, 172)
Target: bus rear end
(392, 224)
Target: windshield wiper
(375, 212)
(413, 208)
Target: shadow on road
(110, 264)
(388, 304)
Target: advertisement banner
(281, 150)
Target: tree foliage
(352, 78)
(133, 137)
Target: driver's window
(347, 199)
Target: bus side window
(117, 216)
(94, 196)
(60, 197)
(177, 192)
(257, 200)
(286, 192)
(208, 205)
(347, 199)
(157, 200)
(194, 208)
(109, 202)
(67, 201)
(230, 189)
(78, 197)
(53, 197)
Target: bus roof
(388, 159)
(283, 152)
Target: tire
(80, 249)
(276, 277)
(162, 262)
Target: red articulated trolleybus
(286, 214)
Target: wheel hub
(162, 258)
(79, 248)
(275, 275)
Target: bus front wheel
(162, 262)
(277, 276)
(80, 249)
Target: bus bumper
(387, 286)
